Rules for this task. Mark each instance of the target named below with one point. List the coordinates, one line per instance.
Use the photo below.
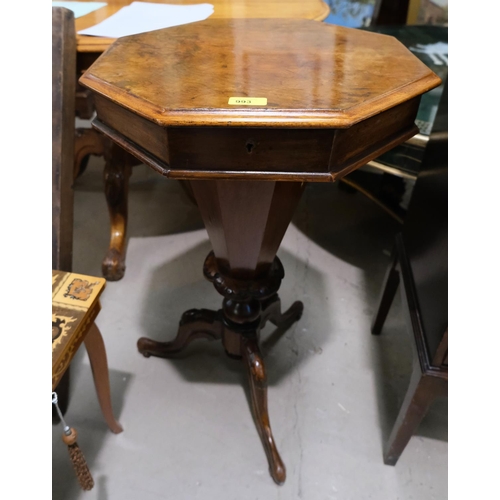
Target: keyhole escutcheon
(250, 145)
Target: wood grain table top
(302, 74)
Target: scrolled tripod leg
(194, 324)
(258, 388)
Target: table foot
(254, 363)
(194, 324)
(113, 265)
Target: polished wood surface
(300, 9)
(312, 74)
(337, 98)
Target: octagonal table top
(294, 72)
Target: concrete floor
(334, 390)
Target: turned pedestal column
(247, 111)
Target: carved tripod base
(245, 222)
(239, 343)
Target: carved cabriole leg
(99, 364)
(117, 171)
(195, 324)
(258, 389)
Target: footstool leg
(99, 364)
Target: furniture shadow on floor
(206, 362)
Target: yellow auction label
(248, 101)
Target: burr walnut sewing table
(247, 111)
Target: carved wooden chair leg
(99, 364)
(271, 311)
(258, 388)
(117, 170)
(87, 142)
(389, 288)
(194, 324)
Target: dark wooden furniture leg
(99, 364)
(117, 170)
(246, 222)
(258, 389)
(422, 391)
(389, 289)
(430, 375)
(420, 263)
(194, 324)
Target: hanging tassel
(76, 455)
